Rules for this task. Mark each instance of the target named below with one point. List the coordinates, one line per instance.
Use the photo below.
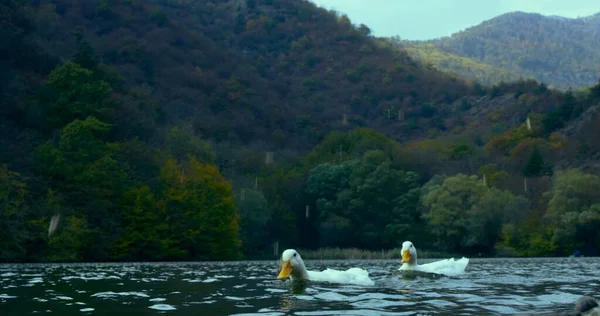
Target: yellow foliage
(494, 116)
(557, 141)
(524, 147)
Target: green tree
(71, 92)
(574, 209)
(183, 145)
(462, 213)
(146, 235)
(255, 214)
(493, 174)
(201, 210)
(367, 201)
(70, 242)
(13, 215)
(84, 170)
(535, 165)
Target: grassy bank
(354, 253)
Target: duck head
(292, 265)
(409, 253)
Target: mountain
(144, 119)
(209, 130)
(261, 64)
(560, 52)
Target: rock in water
(587, 305)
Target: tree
(13, 215)
(183, 145)
(146, 235)
(574, 209)
(494, 176)
(535, 165)
(255, 214)
(462, 213)
(71, 92)
(70, 241)
(83, 169)
(365, 201)
(364, 30)
(201, 210)
(85, 56)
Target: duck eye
(410, 246)
(295, 254)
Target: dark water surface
(489, 287)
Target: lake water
(489, 287)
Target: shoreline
(310, 254)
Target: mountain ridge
(558, 52)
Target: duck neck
(412, 261)
(300, 272)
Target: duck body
(448, 267)
(292, 266)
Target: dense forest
(205, 130)
(560, 52)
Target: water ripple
(490, 287)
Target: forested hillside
(560, 52)
(192, 130)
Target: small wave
(5, 296)
(192, 280)
(266, 314)
(89, 309)
(113, 294)
(94, 278)
(331, 296)
(210, 280)
(158, 299)
(205, 302)
(36, 280)
(163, 307)
(153, 280)
(276, 290)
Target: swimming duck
(292, 266)
(446, 267)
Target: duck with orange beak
(446, 267)
(292, 266)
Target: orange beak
(286, 270)
(405, 256)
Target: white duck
(446, 267)
(293, 266)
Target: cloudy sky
(427, 19)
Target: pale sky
(428, 19)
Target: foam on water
(163, 307)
